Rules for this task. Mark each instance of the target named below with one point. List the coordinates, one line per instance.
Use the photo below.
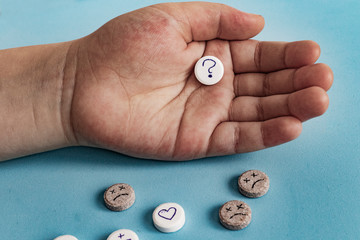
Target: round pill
(253, 183)
(209, 70)
(169, 217)
(235, 215)
(66, 237)
(119, 197)
(124, 234)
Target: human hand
(135, 91)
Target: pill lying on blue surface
(66, 237)
(253, 183)
(119, 197)
(169, 217)
(124, 234)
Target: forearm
(35, 99)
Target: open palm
(136, 93)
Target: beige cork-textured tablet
(235, 215)
(253, 183)
(119, 197)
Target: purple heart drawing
(167, 214)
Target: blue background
(314, 192)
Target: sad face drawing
(235, 215)
(253, 183)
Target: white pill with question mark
(209, 70)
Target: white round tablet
(169, 217)
(66, 237)
(209, 70)
(124, 234)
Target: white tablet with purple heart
(169, 217)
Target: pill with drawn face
(123, 234)
(235, 215)
(253, 183)
(119, 197)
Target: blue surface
(314, 192)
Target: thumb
(201, 21)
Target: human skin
(130, 87)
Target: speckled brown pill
(119, 197)
(253, 183)
(235, 215)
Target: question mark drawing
(209, 70)
(203, 63)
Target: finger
(284, 81)
(255, 56)
(201, 21)
(304, 104)
(239, 137)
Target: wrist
(68, 80)
(35, 84)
